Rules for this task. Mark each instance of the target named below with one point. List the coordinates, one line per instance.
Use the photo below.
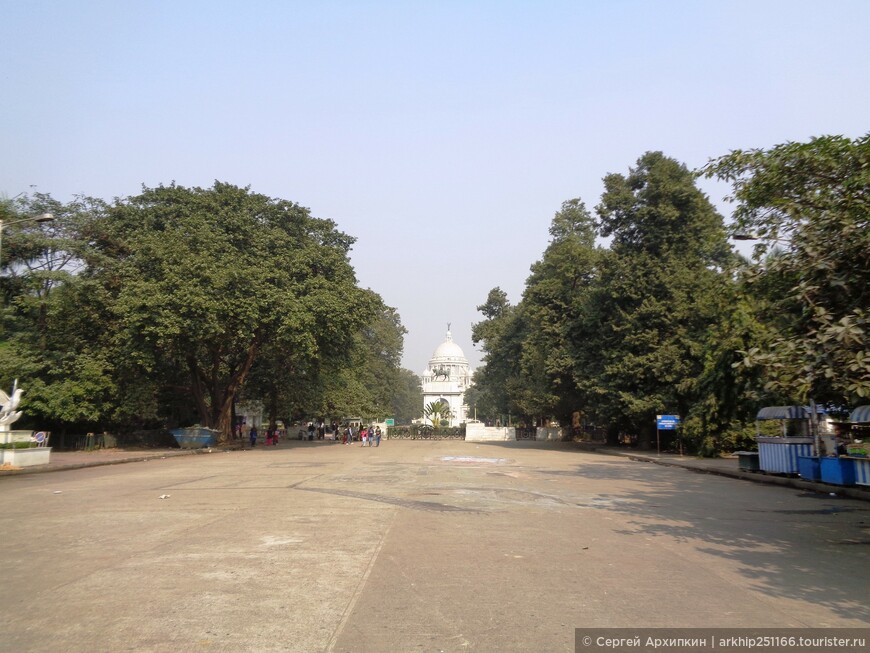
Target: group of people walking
(368, 436)
(272, 436)
(320, 430)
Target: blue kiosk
(780, 454)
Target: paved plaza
(412, 546)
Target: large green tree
(362, 379)
(555, 296)
(808, 205)
(624, 333)
(407, 402)
(500, 336)
(639, 343)
(53, 333)
(167, 306)
(359, 379)
(528, 367)
(202, 282)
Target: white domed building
(447, 378)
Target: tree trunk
(224, 423)
(218, 412)
(198, 392)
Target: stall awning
(783, 412)
(861, 415)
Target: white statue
(8, 414)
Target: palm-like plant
(436, 411)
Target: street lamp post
(42, 217)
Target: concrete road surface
(413, 546)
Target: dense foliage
(407, 397)
(808, 206)
(668, 319)
(168, 306)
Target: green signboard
(390, 421)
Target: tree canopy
(621, 333)
(183, 297)
(807, 205)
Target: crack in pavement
(430, 506)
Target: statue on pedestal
(8, 405)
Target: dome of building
(449, 352)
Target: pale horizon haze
(443, 136)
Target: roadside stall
(780, 454)
(858, 451)
(837, 459)
(836, 467)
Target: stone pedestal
(7, 437)
(25, 457)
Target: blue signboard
(667, 422)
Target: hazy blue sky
(443, 135)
